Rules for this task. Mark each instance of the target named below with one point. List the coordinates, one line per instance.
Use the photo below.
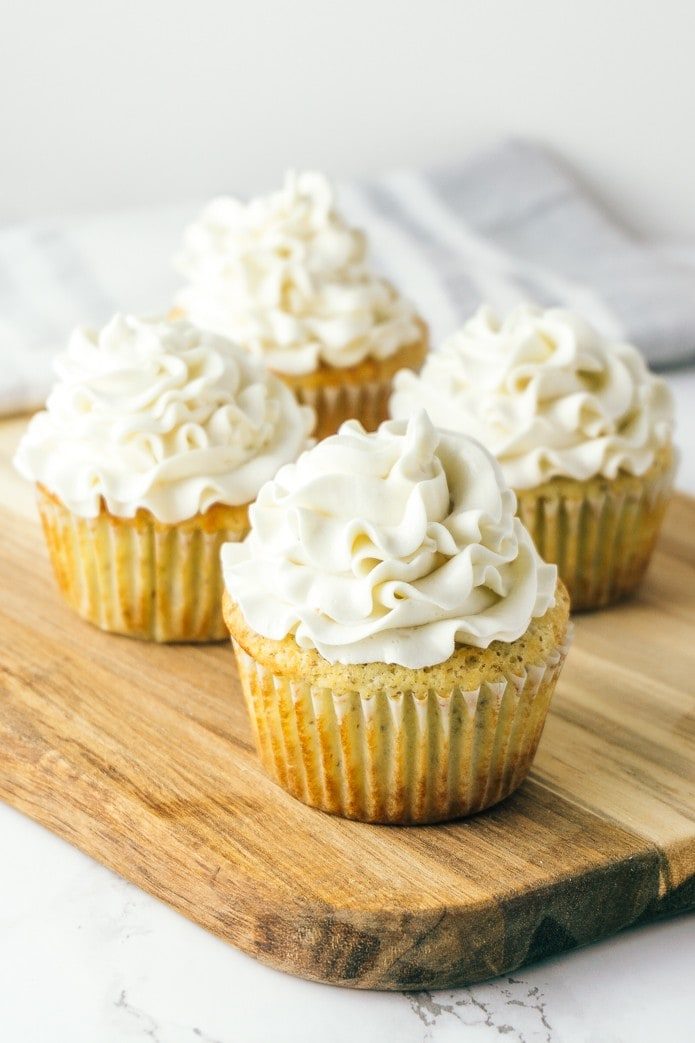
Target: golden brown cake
(287, 278)
(361, 391)
(581, 429)
(398, 639)
(140, 576)
(383, 743)
(154, 443)
(600, 532)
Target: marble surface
(87, 958)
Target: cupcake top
(160, 415)
(287, 278)
(389, 547)
(546, 394)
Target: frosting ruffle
(160, 415)
(389, 547)
(546, 394)
(287, 278)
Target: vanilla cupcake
(581, 429)
(154, 441)
(398, 637)
(287, 278)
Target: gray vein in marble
(199, 1034)
(488, 1006)
(150, 1029)
(147, 1023)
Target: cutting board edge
(298, 938)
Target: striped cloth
(509, 225)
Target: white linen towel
(508, 225)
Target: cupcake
(581, 429)
(398, 637)
(287, 278)
(154, 441)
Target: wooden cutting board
(142, 756)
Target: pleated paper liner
(336, 403)
(358, 392)
(140, 577)
(399, 757)
(601, 533)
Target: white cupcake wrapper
(333, 404)
(398, 757)
(138, 578)
(601, 542)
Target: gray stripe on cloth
(510, 224)
(525, 201)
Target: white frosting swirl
(160, 415)
(389, 547)
(287, 278)
(546, 394)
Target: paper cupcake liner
(138, 577)
(398, 757)
(601, 539)
(336, 403)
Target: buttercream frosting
(546, 394)
(389, 547)
(287, 278)
(160, 415)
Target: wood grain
(142, 756)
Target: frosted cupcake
(582, 431)
(287, 278)
(153, 443)
(398, 637)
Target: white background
(107, 103)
